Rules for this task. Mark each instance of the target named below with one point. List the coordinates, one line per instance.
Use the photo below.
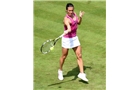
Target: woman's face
(70, 11)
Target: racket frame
(49, 40)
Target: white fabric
(70, 42)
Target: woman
(70, 40)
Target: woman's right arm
(67, 23)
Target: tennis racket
(49, 44)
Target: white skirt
(70, 42)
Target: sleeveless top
(73, 26)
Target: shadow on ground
(74, 72)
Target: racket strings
(46, 46)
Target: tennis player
(70, 40)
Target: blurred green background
(48, 24)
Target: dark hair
(69, 5)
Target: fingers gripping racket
(48, 45)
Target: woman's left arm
(80, 17)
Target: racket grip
(61, 35)
(65, 32)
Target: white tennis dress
(70, 42)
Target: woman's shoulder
(66, 19)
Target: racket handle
(61, 35)
(65, 32)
